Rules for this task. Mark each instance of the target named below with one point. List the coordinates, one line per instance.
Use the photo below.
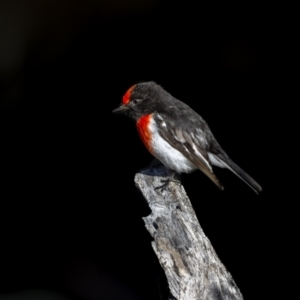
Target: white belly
(167, 154)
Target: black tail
(240, 173)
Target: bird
(176, 135)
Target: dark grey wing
(184, 142)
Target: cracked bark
(191, 265)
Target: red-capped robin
(176, 135)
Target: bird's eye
(136, 101)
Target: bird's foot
(166, 182)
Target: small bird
(176, 135)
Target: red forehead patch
(126, 97)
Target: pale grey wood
(190, 263)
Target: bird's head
(141, 99)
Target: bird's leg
(167, 181)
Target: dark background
(71, 218)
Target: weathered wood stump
(190, 263)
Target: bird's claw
(166, 182)
(164, 186)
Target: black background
(71, 218)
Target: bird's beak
(120, 110)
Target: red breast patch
(126, 97)
(142, 125)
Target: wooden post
(190, 263)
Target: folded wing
(183, 141)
